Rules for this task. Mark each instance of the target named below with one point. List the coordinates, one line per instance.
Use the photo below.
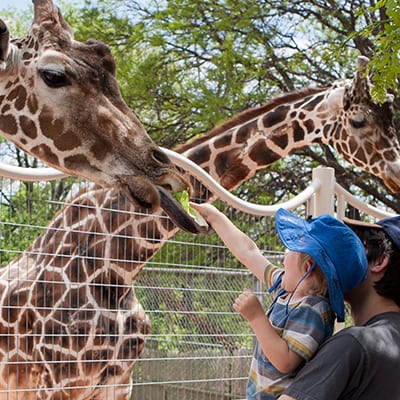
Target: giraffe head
(366, 134)
(60, 102)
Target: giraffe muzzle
(392, 184)
(391, 176)
(147, 195)
(140, 190)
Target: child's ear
(309, 264)
(381, 266)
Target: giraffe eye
(53, 78)
(358, 123)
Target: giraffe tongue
(178, 215)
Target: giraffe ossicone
(72, 327)
(60, 102)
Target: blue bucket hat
(335, 248)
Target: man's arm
(286, 397)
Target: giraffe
(343, 116)
(60, 102)
(71, 325)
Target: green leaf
(183, 198)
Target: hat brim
(391, 227)
(357, 223)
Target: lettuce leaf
(183, 198)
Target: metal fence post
(324, 199)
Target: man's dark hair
(377, 246)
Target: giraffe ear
(45, 12)
(4, 43)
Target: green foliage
(18, 21)
(385, 63)
(185, 66)
(194, 307)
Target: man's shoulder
(385, 326)
(390, 317)
(386, 320)
(355, 363)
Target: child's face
(292, 273)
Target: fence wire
(197, 348)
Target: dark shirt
(356, 363)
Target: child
(325, 260)
(362, 361)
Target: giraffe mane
(249, 114)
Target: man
(362, 362)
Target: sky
(18, 4)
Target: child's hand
(248, 305)
(206, 210)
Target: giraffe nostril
(4, 41)
(160, 157)
(358, 123)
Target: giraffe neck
(361, 132)
(233, 156)
(69, 298)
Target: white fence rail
(319, 195)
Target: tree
(384, 34)
(185, 66)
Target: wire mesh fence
(198, 348)
(58, 341)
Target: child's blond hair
(318, 286)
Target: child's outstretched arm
(273, 346)
(240, 245)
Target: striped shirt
(303, 323)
